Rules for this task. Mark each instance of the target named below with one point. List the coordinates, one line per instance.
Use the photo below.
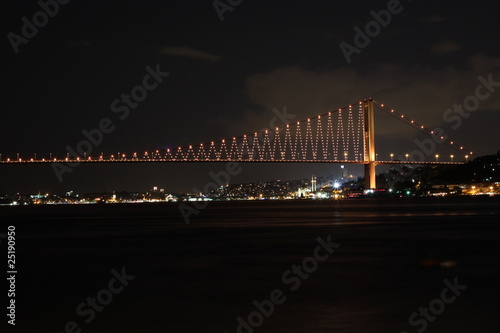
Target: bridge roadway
(170, 160)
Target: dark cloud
(77, 44)
(435, 19)
(446, 46)
(184, 51)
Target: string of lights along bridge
(345, 135)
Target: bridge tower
(369, 143)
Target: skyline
(234, 76)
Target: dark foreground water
(391, 259)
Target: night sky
(226, 77)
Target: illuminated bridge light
(329, 137)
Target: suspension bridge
(345, 135)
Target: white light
(336, 185)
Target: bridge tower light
(437, 157)
(392, 157)
(466, 158)
(451, 157)
(369, 142)
(407, 156)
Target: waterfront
(393, 257)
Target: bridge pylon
(369, 143)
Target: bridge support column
(370, 175)
(370, 156)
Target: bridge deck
(163, 160)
